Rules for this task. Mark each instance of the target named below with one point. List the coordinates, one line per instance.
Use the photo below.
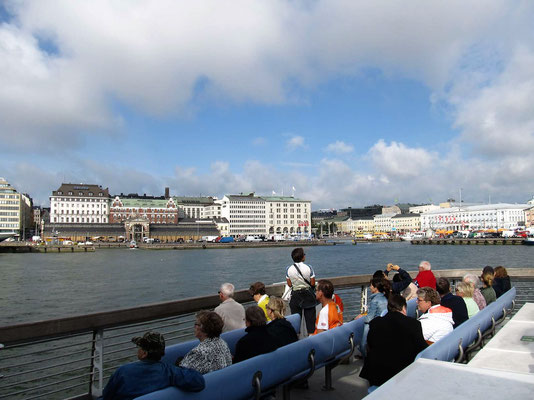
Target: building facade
(423, 209)
(287, 215)
(15, 212)
(403, 223)
(478, 217)
(79, 204)
(246, 214)
(197, 207)
(155, 210)
(382, 222)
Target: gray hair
(464, 288)
(472, 279)
(425, 265)
(227, 289)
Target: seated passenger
(149, 373)
(436, 320)
(455, 303)
(394, 340)
(487, 290)
(212, 353)
(465, 291)
(279, 327)
(330, 315)
(473, 280)
(401, 280)
(425, 277)
(339, 303)
(257, 291)
(257, 339)
(501, 281)
(410, 292)
(231, 312)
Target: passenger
(257, 291)
(279, 327)
(436, 320)
(231, 312)
(149, 373)
(212, 353)
(301, 279)
(487, 290)
(257, 339)
(330, 315)
(501, 282)
(473, 280)
(465, 291)
(410, 292)
(455, 303)
(394, 342)
(380, 291)
(425, 277)
(401, 280)
(339, 303)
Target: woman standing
(212, 353)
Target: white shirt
(296, 280)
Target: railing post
(363, 300)
(97, 364)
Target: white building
(288, 215)
(79, 204)
(15, 212)
(245, 213)
(478, 217)
(196, 207)
(423, 209)
(383, 222)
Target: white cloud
(397, 160)
(295, 142)
(259, 141)
(339, 147)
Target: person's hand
(395, 267)
(360, 316)
(389, 267)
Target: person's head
(443, 286)
(226, 291)
(472, 279)
(487, 269)
(426, 298)
(464, 289)
(397, 278)
(424, 266)
(397, 303)
(487, 279)
(254, 316)
(209, 324)
(150, 346)
(256, 290)
(379, 274)
(325, 289)
(500, 272)
(381, 285)
(298, 254)
(275, 308)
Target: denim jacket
(377, 304)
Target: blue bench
(456, 345)
(284, 366)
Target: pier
(487, 241)
(23, 247)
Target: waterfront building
(15, 212)
(156, 210)
(197, 207)
(79, 204)
(288, 215)
(403, 223)
(423, 208)
(529, 216)
(357, 227)
(476, 217)
(363, 212)
(382, 222)
(245, 213)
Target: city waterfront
(38, 286)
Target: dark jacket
(458, 307)
(501, 285)
(393, 342)
(282, 331)
(257, 341)
(406, 279)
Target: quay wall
(488, 241)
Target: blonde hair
(464, 288)
(277, 306)
(487, 278)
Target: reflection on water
(42, 286)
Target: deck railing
(72, 357)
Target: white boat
(529, 241)
(133, 244)
(406, 238)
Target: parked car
(227, 239)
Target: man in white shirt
(231, 312)
(301, 279)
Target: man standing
(436, 320)
(425, 277)
(257, 291)
(330, 315)
(301, 279)
(149, 373)
(231, 312)
(455, 303)
(393, 342)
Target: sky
(349, 102)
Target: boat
(133, 245)
(529, 241)
(406, 238)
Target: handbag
(312, 301)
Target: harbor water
(43, 286)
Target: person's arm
(372, 312)
(111, 387)
(406, 279)
(312, 281)
(187, 379)
(289, 283)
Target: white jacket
(436, 322)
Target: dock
(29, 248)
(487, 241)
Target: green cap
(151, 341)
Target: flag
(293, 188)
(274, 192)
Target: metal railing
(73, 357)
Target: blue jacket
(142, 377)
(377, 304)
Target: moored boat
(529, 241)
(133, 244)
